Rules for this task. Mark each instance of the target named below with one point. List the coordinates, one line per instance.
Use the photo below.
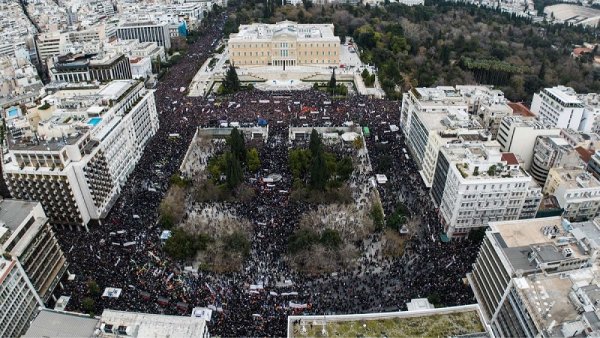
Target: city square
(152, 282)
(300, 170)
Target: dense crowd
(257, 300)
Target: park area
(310, 191)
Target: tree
(302, 239)
(331, 239)
(542, 72)
(88, 304)
(377, 216)
(344, 168)
(315, 144)
(181, 245)
(299, 162)
(233, 171)
(237, 145)
(237, 242)
(93, 288)
(318, 172)
(332, 83)
(477, 235)
(318, 166)
(365, 74)
(231, 83)
(253, 160)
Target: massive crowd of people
(257, 300)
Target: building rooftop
(541, 243)
(50, 323)
(440, 96)
(510, 159)
(522, 121)
(520, 109)
(14, 212)
(584, 154)
(66, 116)
(566, 95)
(547, 298)
(141, 23)
(442, 322)
(259, 31)
(150, 325)
(479, 162)
(576, 178)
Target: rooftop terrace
(443, 322)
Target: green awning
(444, 238)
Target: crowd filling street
(257, 300)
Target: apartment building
(19, 300)
(559, 106)
(474, 185)
(593, 165)
(26, 235)
(537, 278)
(431, 131)
(145, 31)
(517, 135)
(85, 67)
(49, 44)
(486, 104)
(285, 43)
(577, 192)
(552, 152)
(75, 152)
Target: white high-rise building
(538, 278)
(18, 300)
(552, 152)
(75, 152)
(517, 135)
(26, 235)
(474, 185)
(560, 107)
(434, 117)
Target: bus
(366, 131)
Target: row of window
(284, 53)
(283, 45)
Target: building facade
(558, 106)
(577, 192)
(145, 32)
(551, 152)
(82, 152)
(474, 185)
(18, 298)
(518, 134)
(535, 278)
(26, 235)
(285, 43)
(85, 68)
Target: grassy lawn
(440, 325)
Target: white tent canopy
(349, 136)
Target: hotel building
(75, 152)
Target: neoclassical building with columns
(285, 43)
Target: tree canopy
(450, 43)
(231, 82)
